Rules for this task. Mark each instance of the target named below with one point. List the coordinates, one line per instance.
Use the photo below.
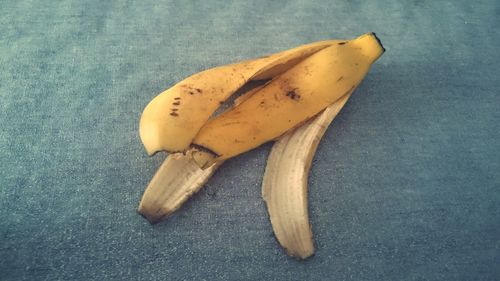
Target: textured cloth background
(405, 185)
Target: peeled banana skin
(284, 186)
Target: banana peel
(284, 187)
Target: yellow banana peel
(308, 87)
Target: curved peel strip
(284, 187)
(177, 179)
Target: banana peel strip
(177, 179)
(284, 187)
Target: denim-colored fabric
(405, 185)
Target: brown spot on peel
(293, 94)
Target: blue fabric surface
(405, 185)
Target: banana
(284, 187)
(173, 118)
(288, 100)
(307, 87)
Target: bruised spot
(221, 102)
(174, 109)
(262, 102)
(342, 43)
(176, 103)
(191, 92)
(174, 114)
(177, 98)
(198, 90)
(340, 78)
(293, 94)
